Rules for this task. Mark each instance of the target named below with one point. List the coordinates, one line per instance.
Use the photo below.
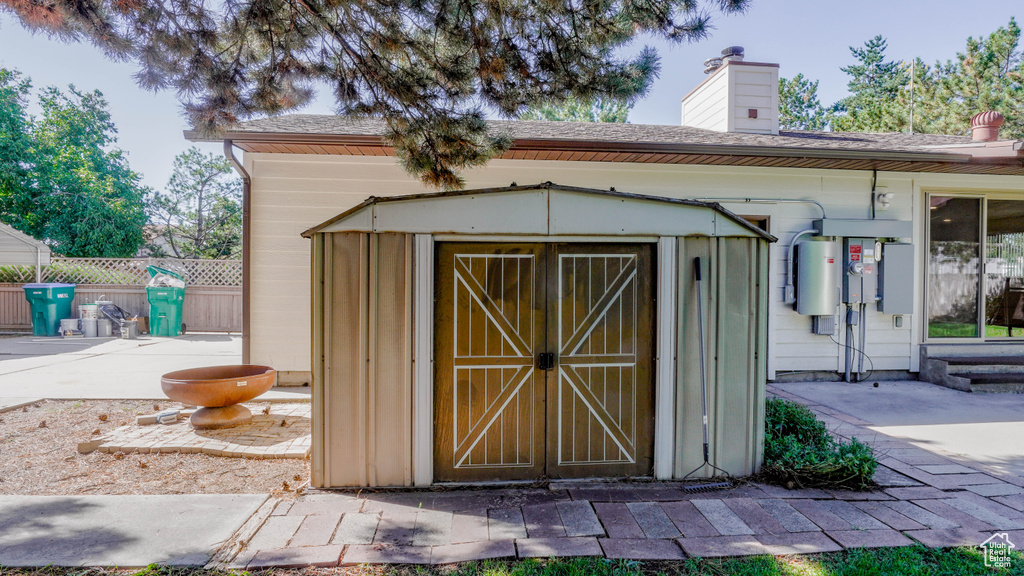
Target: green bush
(799, 451)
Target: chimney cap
(985, 126)
(733, 51)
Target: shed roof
(18, 248)
(544, 209)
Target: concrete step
(998, 387)
(998, 368)
(966, 370)
(989, 349)
(976, 360)
(993, 377)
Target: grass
(955, 330)
(909, 561)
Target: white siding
(723, 101)
(706, 107)
(19, 248)
(292, 193)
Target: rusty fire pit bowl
(219, 390)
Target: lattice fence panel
(127, 271)
(18, 274)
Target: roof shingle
(622, 133)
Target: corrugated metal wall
(362, 359)
(735, 292)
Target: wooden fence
(213, 296)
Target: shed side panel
(688, 385)
(391, 362)
(319, 263)
(735, 322)
(345, 393)
(738, 377)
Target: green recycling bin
(166, 295)
(49, 302)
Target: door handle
(545, 361)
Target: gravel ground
(38, 456)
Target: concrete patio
(922, 497)
(984, 431)
(33, 368)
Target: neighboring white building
(18, 248)
(948, 211)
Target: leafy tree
(76, 189)
(15, 149)
(199, 215)
(573, 110)
(428, 68)
(799, 107)
(876, 102)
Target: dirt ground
(39, 456)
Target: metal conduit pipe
(789, 296)
(849, 343)
(862, 342)
(765, 201)
(229, 153)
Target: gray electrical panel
(896, 279)
(859, 273)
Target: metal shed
(18, 248)
(534, 331)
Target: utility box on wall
(859, 273)
(817, 261)
(896, 279)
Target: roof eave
(613, 146)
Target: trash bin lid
(49, 285)
(154, 270)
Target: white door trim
(423, 361)
(665, 370)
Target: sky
(803, 36)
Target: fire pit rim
(220, 391)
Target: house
(896, 253)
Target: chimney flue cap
(732, 53)
(985, 126)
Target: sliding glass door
(975, 267)
(1004, 269)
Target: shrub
(799, 451)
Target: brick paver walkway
(922, 498)
(284, 432)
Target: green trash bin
(50, 303)
(165, 304)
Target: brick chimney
(985, 126)
(737, 96)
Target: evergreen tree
(199, 215)
(429, 68)
(987, 75)
(573, 110)
(876, 102)
(799, 107)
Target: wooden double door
(543, 361)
